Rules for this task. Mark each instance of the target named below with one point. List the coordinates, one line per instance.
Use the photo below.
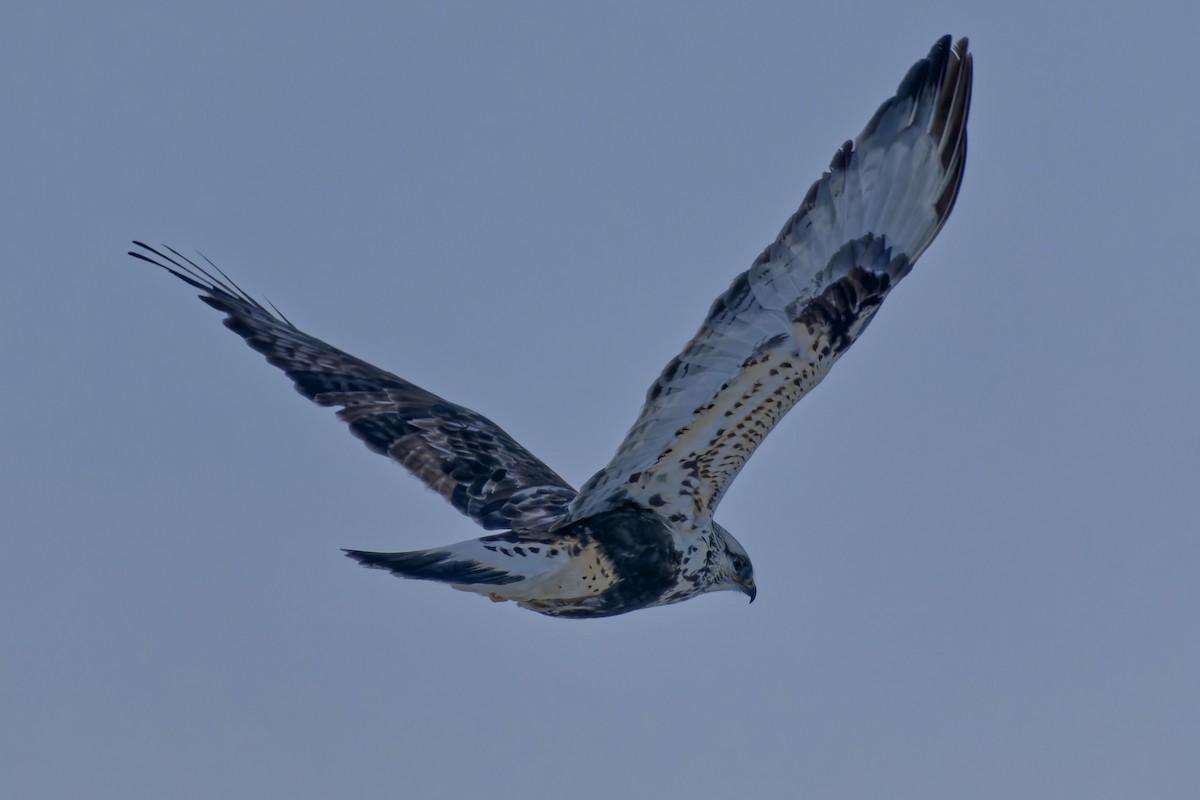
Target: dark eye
(739, 563)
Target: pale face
(731, 566)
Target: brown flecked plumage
(640, 533)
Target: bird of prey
(640, 532)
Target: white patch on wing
(550, 571)
(706, 454)
(690, 477)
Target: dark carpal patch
(855, 296)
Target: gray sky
(976, 543)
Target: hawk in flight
(640, 532)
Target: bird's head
(731, 567)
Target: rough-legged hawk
(641, 533)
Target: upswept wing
(461, 455)
(781, 325)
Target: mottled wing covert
(463, 456)
(781, 325)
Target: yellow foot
(495, 598)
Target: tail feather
(435, 565)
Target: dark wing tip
(940, 48)
(220, 291)
(178, 270)
(948, 126)
(932, 71)
(942, 81)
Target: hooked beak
(750, 590)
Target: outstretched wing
(781, 325)
(461, 455)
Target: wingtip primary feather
(220, 291)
